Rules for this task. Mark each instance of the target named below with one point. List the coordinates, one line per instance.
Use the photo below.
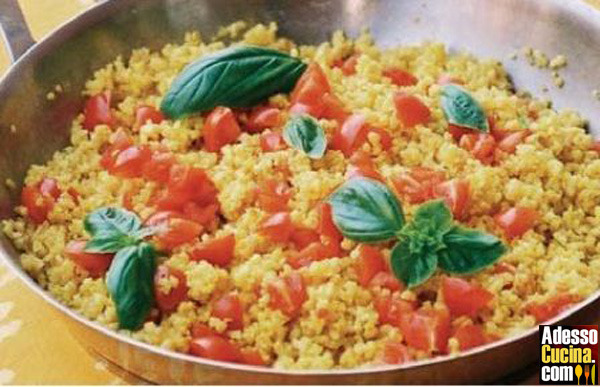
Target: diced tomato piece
(203, 215)
(314, 252)
(555, 305)
(229, 308)
(145, 114)
(516, 221)
(271, 142)
(277, 227)
(199, 329)
(385, 138)
(221, 128)
(446, 79)
(215, 348)
(400, 77)
(361, 164)
(463, 298)
(392, 309)
(458, 131)
(394, 352)
(128, 197)
(158, 167)
(351, 136)
(457, 194)
(97, 111)
(177, 292)
(417, 185)
(348, 65)
(130, 162)
(120, 141)
(218, 251)
(303, 236)
(49, 187)
(263, 117)
(333, 109)
(504, 267)
(427, 329)
(469, 336)
(410, 110)
(273, 195)
(39, 199)
(288, 294)
(326, 226)
(385, 279)
(252, 357)
(315, 109)
(370, 262)
(509, 143)
(187, 184)
(172, 229)
(481, 146)
(95, 264)
(313, 82)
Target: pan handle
(13, 28)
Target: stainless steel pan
(68, 56)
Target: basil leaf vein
(461, 109)
(112, 229)
(469, 250)
(304, 133)
(239, 76)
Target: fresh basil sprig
(304, 133)
(461, 109)
(130, 283)
(366, 211)
(238, 76)
(130, 276)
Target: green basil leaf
(366, 210)
(469, 250)
(433, 217)
(461, 109)
(111, 229)
(304, 133)
(412, 267)
(130, 282)
(239, 76)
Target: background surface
(35, 347)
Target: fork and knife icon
(586, 372)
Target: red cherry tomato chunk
(457, 195)
(370, 262)
(417, 185)
(463, 298)
(253, 357)
(516, 221)
(427, 330)
(410, 110)
(384, 279)
(469, 336)
(187, 184)
(145, 114)
(158, 167)
(230, 309)
(273, 195)
(481, 146)
(287, 294)
(220, 128)
(392, 309)
(327, 227)
(215, 348)
(361, 164)
(97, 111)
(218, 251)
(544, 311)
(277, 227)
(173, 230)
(351, 136)
(263, 117)
(94, 263)
(39, 199)
(400, 77)
(395, 352)
(170, 288)
(271, 142)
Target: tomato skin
(168, 302)
(552, 307)
(333, 109)
(400, 77)
(509, 143)
(145, 114)
(97, 111)
(120, 141)
(221, 128)
(173, 230)
(391, 309)
(395, 352)
(288, 294)
(469, 336)
(95, 264)
(230, 309)
(516, 221)
(463, 298)
(387, 280)
(410, 110)
(362, 165)
(316, 251)
(427, 330)
(277, 227)
(158, 167)
(263, 117)
(49, 187)
(313, 82)
(303, 237)
(370, 262)
(199, 329)
(253, 357)
(327, 227)
(187, 184)
(271, 142)
(215, 348)
(218, 251)
(481, 146)
(348, 66)
(203, 215)
(351, 136)
(456, 194)
(385, 138)
(39, 199)
(130, 162)
(418, 184)
(273, 195)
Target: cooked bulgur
(553, 171)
